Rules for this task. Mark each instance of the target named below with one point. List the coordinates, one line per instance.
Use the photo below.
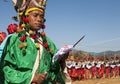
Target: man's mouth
(38, 24)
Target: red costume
(93, 71)
(107, 70)
(102, 71)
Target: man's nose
(39, 19)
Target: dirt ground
(99, 81)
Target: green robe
(16, 68)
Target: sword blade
(78, 41)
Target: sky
(68, 20)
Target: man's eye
(42, 16)
(35, 15)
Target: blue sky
(68, 20)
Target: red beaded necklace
(25, 28)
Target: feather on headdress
(22, 5)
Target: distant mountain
(108, 53)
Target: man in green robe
(18, 68)
(27, 55)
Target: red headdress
(76, 59)
(2, 36)
(12, 28)
(92, 58)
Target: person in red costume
(93, 69)
(107, 69)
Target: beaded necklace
(22, 31)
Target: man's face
(36, 19)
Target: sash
(37, 61)
(66, 76)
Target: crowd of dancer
(83, 69)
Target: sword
(65, 49)
(78, 41)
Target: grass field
(99, 81)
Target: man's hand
(39, 78)
(62, 60)
(64, 56)
(62, 53)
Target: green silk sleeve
(13, 76)
(54, 72)
(17, 67)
